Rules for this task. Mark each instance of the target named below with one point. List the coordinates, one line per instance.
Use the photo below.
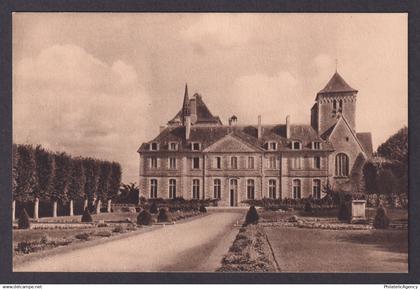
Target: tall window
(316, 189)
(153, 162)
(272, 189)
(234, 162)
(297, 163)
(153, 188)
(196, 163)
(317, 162)
(172, 188)
(251, 163)
(217, 189)
(196, 189)
(296, 189)
(341, 165)
(272, 164)
(334, 104)
(218, 163)
(250, 189)
(340, 105)
(172, 163)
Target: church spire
(186, 104)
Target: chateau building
(196, 156)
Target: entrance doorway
(233, 192)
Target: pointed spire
(186, 104)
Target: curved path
(196, 245)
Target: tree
(103, 183)
(60, 179)
(43, 176)
(14, 178)
(114, 182)
(24, 173)
(76, 182)
(129, 193)
(396, 150)
(90, 167)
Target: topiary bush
(203, 209)
(381, 220)
(344, 212)
(164, 216)
(23, 222)
(86, 217)
(144, 218)
(252, 216)
(153, 208)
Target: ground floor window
(316, 189)
(250, 189)
(296, 189)
(172, 189)
(196, 189)
(272, 189)
(217, 189)
(153, 188)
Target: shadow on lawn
(386, 240)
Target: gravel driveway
(196, 245)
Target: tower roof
(186, 104)
(337, 84)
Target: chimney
(288, 126)
(259, 127)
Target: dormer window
(154, 146)
(296, 145)
(316, 145)
(195, 146)
(272, 146)
(173, 146)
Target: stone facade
(196, 156)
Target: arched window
(250, 189)
(341, 165)
(316, 189)
(217, 189)
(296, 189)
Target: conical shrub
(252, 216)
(23, 222)
(153, 208)
(381, 218)
(203, 209)
(144, 218)
(86, 217)
(164, 216)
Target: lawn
(313, 250)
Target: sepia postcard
(210, 142)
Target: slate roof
(365, 139)
(336, 84)
(207, 135)
(203, 113)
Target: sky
(100, 84)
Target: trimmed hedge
(203, 209)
